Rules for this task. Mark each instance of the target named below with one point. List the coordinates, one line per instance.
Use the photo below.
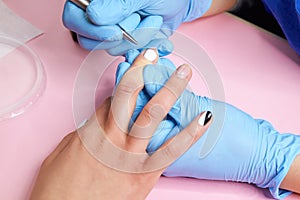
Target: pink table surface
(259, 71)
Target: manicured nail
(205, 118)
(150, 54)
(183, 71)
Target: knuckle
(174, 89)
(154, 111)
(170, 152)
(126, 88)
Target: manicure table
(259, 73)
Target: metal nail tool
(84, 3)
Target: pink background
(260, 74)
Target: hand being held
(107, 160)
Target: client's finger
(60, 147)
(157, 108)
(124, 99)
(179, 144)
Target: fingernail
(150, 54)
(183, 71)
(205, 118)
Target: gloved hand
(236, 147)
(96, 28)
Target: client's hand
(107, 160)
(236, 147)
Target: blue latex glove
(110, 38)
(98, 24)
(236, 146)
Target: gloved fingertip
(86, 43)
(114, 52)
(131, 55)
(163, 46)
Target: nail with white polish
(205, 118)
(150, 54)
(183, 71)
